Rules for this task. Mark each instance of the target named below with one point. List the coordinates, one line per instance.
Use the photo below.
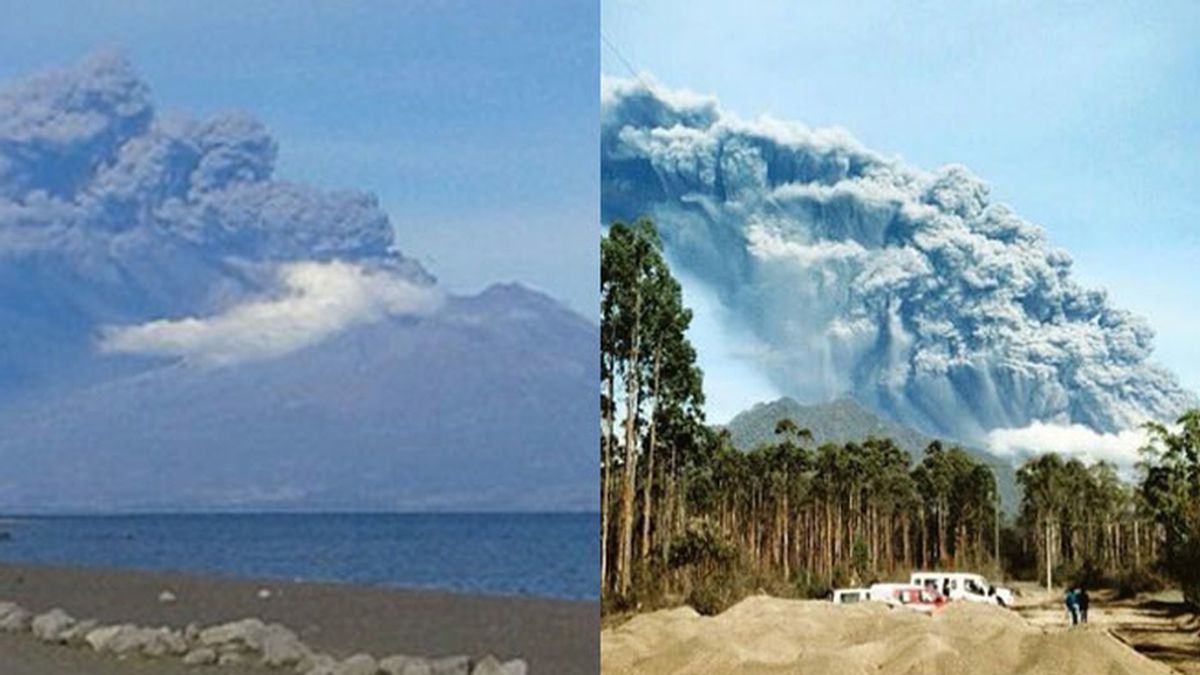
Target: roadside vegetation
(687, 517)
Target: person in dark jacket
(1082, 599)
(1071, 600)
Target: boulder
(75, 635)
(394, 665)
(248, 632)
(14, 618)
(100, 638)
(359, 664)
(317, 664)
(451, 665)
(51, 626)
(167, 597)
(128, 639)
(490, 665)
(416, 667)
(281, 647)
(200, 656)
(163, 642)
(229, 659)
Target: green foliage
(860, 559)
(703, 547)
(1170, 487)
(715, 595)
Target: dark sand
(555, 637)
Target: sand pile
(769, 635)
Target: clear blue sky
(474, 122)
(1085, 118)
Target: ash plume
(912, 291)
(113, 216)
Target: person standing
(1071, 600)
(1083, 601)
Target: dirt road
(1159, 625)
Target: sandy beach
(552, 636)
(770, 635)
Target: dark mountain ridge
(845, 420)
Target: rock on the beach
(52, 626)
(451, 665)
(281, 647)
(264, 594)
(14, 618)
(359, 664)
(200, 656)
(317, 664)
(116, 639)
(229, 659)
(163, 642)
(99, 637)
(167, 597)
(417, 667)
(394, 664)
(130, 639)
(75, 635)
(400, 664)
(246, 631)
(490, 665)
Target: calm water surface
(545, 555)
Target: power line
(624, 61)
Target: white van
(847, 596)
(964, 586)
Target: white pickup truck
(964, 586)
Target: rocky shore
(119, 621)
(237, 642)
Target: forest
(686, 517)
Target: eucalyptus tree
(1170, 485)
(647, 361)
(629, 256)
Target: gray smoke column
(911, 291)
(113, 216)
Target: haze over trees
(688, 516)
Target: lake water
(544, 555)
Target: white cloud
(1074, 440)
(317, 300)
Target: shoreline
(553, 636)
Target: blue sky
(1082, 117)
(474, 122)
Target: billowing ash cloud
(111, 214)
(911, 291)
(318, 300)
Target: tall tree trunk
(672, 509)
(632, 392)
(647, 491)
(606, 447)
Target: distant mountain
(485, 405)
(844, 420)
(181, 330)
